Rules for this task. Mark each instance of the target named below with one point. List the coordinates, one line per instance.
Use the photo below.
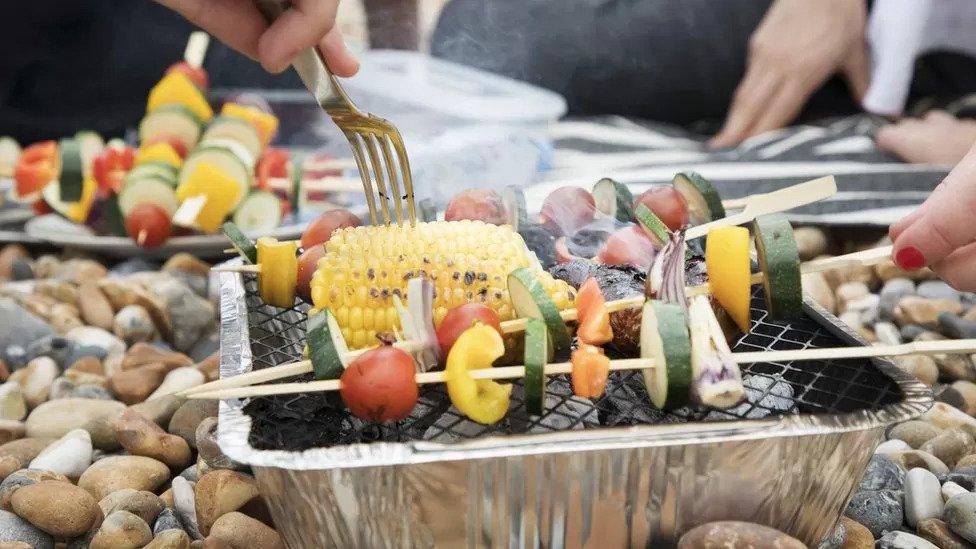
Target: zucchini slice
(113, 216)
(297, 172)
(427, 210)
(536, 356)
(175, 121)
(244, 246)
(233, 128)
(322, 349)
(530, 300)
(614, 199)
(161, 170)
(664, 338)
(91, 145)
(259, 213)
(652, 224)
(72, 170)
(704, 202)
(148, 189)
(779, 261)
(514, 200)
(225, 160)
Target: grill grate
(298, 422)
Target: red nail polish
(909, 258)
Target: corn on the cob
(364, 267)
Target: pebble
(60, 509)
(136, 385)
(955, 367)
(882, 473)
(918, 458)
(121, 530)
(11, 430)
(70, 455)
(910, 331)
(963, 476)
(943, 415)
(937, 289)
(187, 419)
(94, 307)
(141, 437)
(949, 395)
(12, 403)
(966, 461)
(208, 448)
(886, 270)
(938, 532)
(143, 504)
(208, 345)
(903, 540)
(88, 365)
(88, 391)
(97, 337)
(968, 391)
(852, 319)
(9, 254)
(891, 293)
(133, 265)
(923, 496)
(960, 515)
(119, 293)
(133, 325)
(190, 315)
(893, 446)
(14, 528)
(924, 312)
(914, 432)
(17, 454)
(210, 366)
(950, 445)
(178, 380)
(25, 477)
(55, 418)
(166, 520)
(191, 473)
(146, 353)
(159, 410)
(879, 511)
(922, 367)
(61, 388)
(18, 327)
(170, 539)
(222, 491)
(850, 291)
(117, 472)
(955, 327)
(950, 489)
(85, 378)
(888, 333)
(186, 263)
(35, 380)
(243, 532)
(184, 503)
(816, 285)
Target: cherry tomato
(273, 163)
(196, 74)
(668, 204)
(307, 262)
(628, 246)
(148, 225)
(178, 145)
(111, 165)
(478, 205)
(569, 208)
(320, 230)
(462, 317)
(36, 167)
(379, 385)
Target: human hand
(936, 138)
(798, 45)
(240, 25)
(941, 233)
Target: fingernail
(909, 258)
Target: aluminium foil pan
(634, 486)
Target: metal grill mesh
(298, 422)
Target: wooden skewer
(962, 346)
(141, 237)
(328, 184)
(196, 48)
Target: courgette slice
(91, 145)
(665, 339)
(153, 189)
(514, 200)
(427, 210)
(320, 336)
(244, 246)
(161, 170)
(297, 172)
(704, 202)
(9, 154)
(652, 224)
(530, 300)
(536, 356)
(779, 261)
(171, 121)
(259, 213)
(72, 170)
(233, 128)
(113, 216)
(614, 199)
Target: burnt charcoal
(541, 242)
(587, 242)
(695, 274)
(574, 272)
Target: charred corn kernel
(279, 269)
(365, 267)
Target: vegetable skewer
(961, 346)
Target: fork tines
(372, 149)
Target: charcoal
(541, 242)
(587, 242)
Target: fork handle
(309, 64)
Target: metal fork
(371, 137)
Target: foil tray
(640, 485)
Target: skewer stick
(141, 237)
(328, 184)
(962, 346)
(196, 48)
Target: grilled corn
(364, 267)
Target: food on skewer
(482, 400)
(279, 271)
(704, 202)
(320, 230)
(462, 317)
(667, 204)
(10, 152)
(477, 205)
(613, 199)
(568, 208)
(728, 267)
(779, 261)
(591, 369)
(594, 318)
(149, 224)
(380, 386)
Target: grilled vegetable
(75, 211)
(9, 154)
(613, 199)
(717, 381)
(664, 338)
(35, 168)
(114, 222)
(112, 165)
(91, 145)
(531, 300)
(236, 129)
(704, 202)
(477, 205)
(272, 163)
(152, 189)
(243, 244)
(590, 370)
(629, 246)
(779, 260)
(536, 357)
(568, 208)
(176, 89)
(171, 122)
(72, 171)
(259, 213)
(514, 200)
(379, 385)
(196, 74)
(727, 260)
(148, 224)
(320, 230)
(323, 350)
(279, 271)
(297, 173)
(468, 261)
(224, 160)
(221, 191)
(265, 123)
(652, 224)
(594, 318)
(307, 263)
(461, 318)
(482, 400)
(667, 204)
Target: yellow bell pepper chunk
(159, 152)
(221, 191)
(176, 89)
(279, 271)
(78, 211)
(266, 124)
(482, 400)
(728, 265)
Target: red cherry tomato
(569, 208)
(628, 246)
(668, 204)
(307, 262)
(273, 163)
(196, 74)
(178, 145)
(111, 165)
(479, 205)
(148, 225)
(35, 168)
(379, 385)
(320, 230)
(462, 317)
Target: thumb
(857, 71)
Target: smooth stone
(160, 410)
(133, 325)
(966, 461)
(70, 455)
(170, 539)
(210, 366)
(955, 327)
(864, 304)
(893, 446)
(145, 353)
(968, 391)
(97, 337)
(206, 346)
(79, 270)
(960, 515)
(95, 309)
(963, 476)
(816, 285)
(944, 416)
(96, 392)
(209, 449)
(882, 473)
(25, 477)
(136, 385)
(20, 327)
(11, 430)
(60, 509)
(118, 472)
(949, 395)
(938, 532)
(166, 520)
(88, 364)
(61, 388)
(35, 380)
(950, 489)
(133, 265)
(922, 367)
(189, 314)
(178, 380)
(85, 378)
(191, 473)
(903, 540)
(14, 528)
(955, 367)
(12, 403)
(141, 437)
(852, 319)
(17, 454)
(853, 535)
(879, 511)
(937, 289)
(910, 331)
(891, 293)
(143, 504)
(850, 291)
(121, 530)
(184, 502)
(914, 432)
(220, 492)
(187, 419)
(888, 333)
(924, 312)
(923, 496)
(56, 348)
(210, 543)
(242, 532)
(56, 418)
(925, 460)
(950, 445)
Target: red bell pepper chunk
(36, 167)
(273, 164)
(590, 370)
(593, 315)
(111, 166)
